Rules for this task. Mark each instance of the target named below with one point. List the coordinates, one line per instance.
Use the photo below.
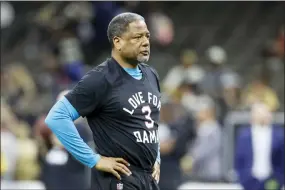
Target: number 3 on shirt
(150, 122)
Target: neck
(123, 62)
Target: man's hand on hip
(114, 166)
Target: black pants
(139, 180)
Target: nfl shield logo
(120, 186)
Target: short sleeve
(89, 92)
(156, 77)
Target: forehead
(138, 26)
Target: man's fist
(114, 166)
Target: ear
(118, 43)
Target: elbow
(57, 115)
(57, 112)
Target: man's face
(134, 43)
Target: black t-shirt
(122, 112)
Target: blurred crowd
(46, 47)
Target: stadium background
(230, 50)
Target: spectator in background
(214, 83)
(171, 110)
(59, 163)
(19, 149)
(231, 91)
(273, 64)
(19, 90)
(259, 91)
(259, 153)
(175, 137)
(191, 94)
(203, 160)
(53, 79)
(231, 96)
(71, 56)
(3, 164)
(217, 58)
(9, 153)
(275, 47)
(7, 14)
(162, 28)
(27, 164)
(280, 43)
(10, 121)
(185, 71)
(43, 137)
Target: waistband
(139, 169)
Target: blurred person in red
(280, 43)
(203, 160)
(259, 152)
(275, 47)
(57, 162)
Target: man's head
(129, 37)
